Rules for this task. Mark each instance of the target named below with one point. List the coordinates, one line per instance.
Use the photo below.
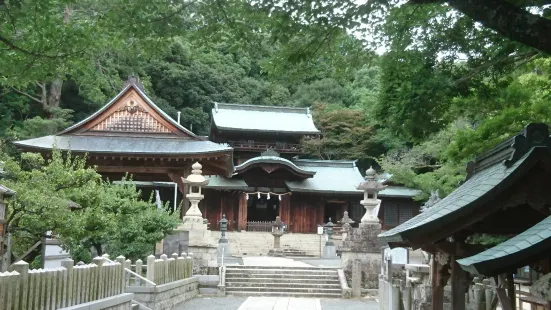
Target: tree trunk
(98, 249)
(54, 94)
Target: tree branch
(508, 20)
(27, 95)
(12, 46)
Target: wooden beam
(437, 299)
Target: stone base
(362, 244)
(329, 252)
(276, 252)
(193, 225)
(204, 259)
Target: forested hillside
(441, 88)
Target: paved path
(276, 303)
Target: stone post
(362, 243)
(356, 279)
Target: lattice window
(404, 213)
(131, 121)
(390, 215)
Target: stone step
(295, 277)
(277, 286)
(306, 272)
(285, 294)
(288, 290)
(282, 268)
(332, 280)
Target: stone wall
(204, 259)
(370, 265)
(119, 302)
(166, 296)
(362, 244)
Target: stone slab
(280, 303)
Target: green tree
(64, 196)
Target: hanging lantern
(268, 196)
(247, 196)
(258, 195)
(279, 196)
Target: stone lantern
(370, 187)
(194, 218)
(277, 232)
(223, 228)
(346, 222)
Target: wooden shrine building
(251, 156)
(506, 193)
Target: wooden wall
(306, 213)
(217, 203)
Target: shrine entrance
(261, 212)
(262, 209)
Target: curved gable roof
(260, 160)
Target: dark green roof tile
(507, 255)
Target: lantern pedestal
(193, 220)
(277, 232)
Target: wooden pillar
(285, 210)
(242, 217)
(458, 284)
(511, 291)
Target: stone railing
(56, 288)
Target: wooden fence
(24, 289)
(260, 226)
(69, 285)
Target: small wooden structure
(506, 192)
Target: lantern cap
(196, 177)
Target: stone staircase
(260, 243)
(282, 281)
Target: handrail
(106, 257)
(140, 277)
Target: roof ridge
(260, 108)
(326, 163)
(513, 148)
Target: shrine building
(252, 157)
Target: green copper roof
(446, 210)
(253, 118)
(273, 160)
(513, 253)
(220, 182)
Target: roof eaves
(279, 131)
(259, 108)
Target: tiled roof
(122, 144)
(253, 118)
(6, 191)
(511, 254)
(444, 212)
(339, 177)
(274, 160)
